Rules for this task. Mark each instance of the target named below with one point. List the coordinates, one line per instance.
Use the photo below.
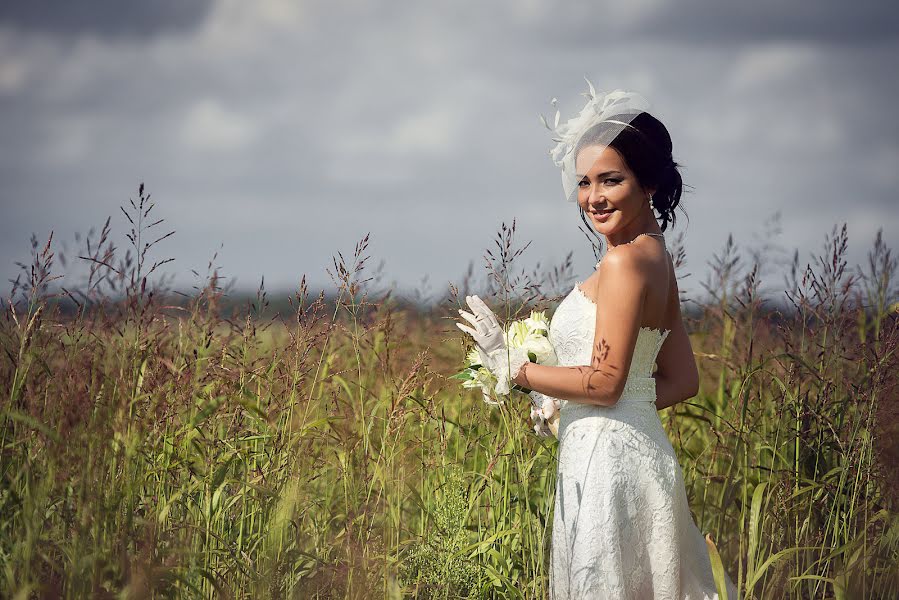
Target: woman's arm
(621, 291)
(569, 383)
(670, 391)
(677, 377)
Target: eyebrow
(601, 175)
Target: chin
(607, 226)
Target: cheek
(629, 198)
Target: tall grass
(154, 447)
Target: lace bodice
(571, 333)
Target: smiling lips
(603, 214)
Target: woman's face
(608, 191)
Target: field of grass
(153, 448)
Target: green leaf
(773, 559)
(754, 512)
(717, 569)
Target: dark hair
(646, 148)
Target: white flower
(473, 357)
(528, 335)
(542, 349)
(485, 380)
(537, 321)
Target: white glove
(503, 362)
(487, 332)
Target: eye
(583, 182)
(614, 181)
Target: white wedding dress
(622, 527)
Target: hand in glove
(487, 332)
(503, 362)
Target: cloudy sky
(279, 133)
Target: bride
(622, 527)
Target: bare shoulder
(629, 261)
(624, 266)
(643, 265)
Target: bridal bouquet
(499, 353)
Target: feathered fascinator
(617, 108)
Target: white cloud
(881, 164)
(814, 130)
(67, 141)
(770, 66)
(22, 60)
(211, 127)
(771, 101)
(236, 25)
(389, 155)
(433, 131)
(12, 75)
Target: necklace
(658, 235)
